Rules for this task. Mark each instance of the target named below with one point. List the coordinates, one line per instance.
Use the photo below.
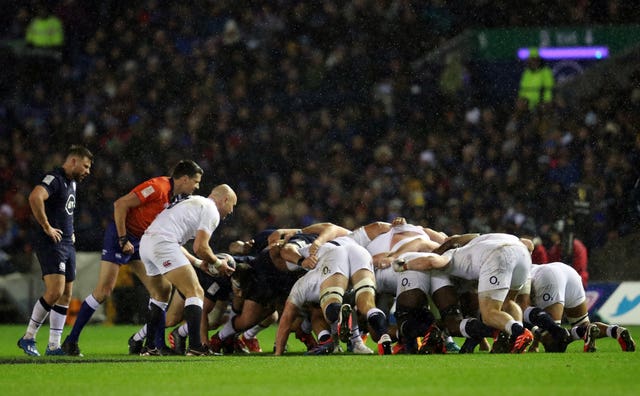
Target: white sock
(253, 332)
(141, 334)
(227, 330)
(56, 325)
(92, 302)
(38, 316)
(183, 330)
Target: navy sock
(193, 316)
(84, 315)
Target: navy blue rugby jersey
(61, 203)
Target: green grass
(106, 369)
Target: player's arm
(37, 197)
(196, 262)
(289, 314)
(282, 234)
(425, 263)
(455, 241)
(120, 210)
(434, 235)
(204, 252)
(326, 232)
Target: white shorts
(427, 281)
(332, 260)
(359, 258)
(306, 289)
(556, 283)
(504, 268)
(386, 281)
(160, 256)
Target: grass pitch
(106, 369)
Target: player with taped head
(556, 291)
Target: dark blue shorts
(57, 258)
(111, 250)
(216, 288)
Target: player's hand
(398, 221)
(313, 249)
(382, 262)
(310, 262)
(127, 248)
(54, 233)
(399, 265)
(224, 269)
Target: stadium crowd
(313, 112)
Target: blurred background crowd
(312, 111)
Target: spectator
(537, 81)
(568, 249)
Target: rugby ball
(222, 256)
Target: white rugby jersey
(467, 260)
(182, 220)
(382, 243)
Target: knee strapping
(331, 294)
(366, 285)
(584, 319)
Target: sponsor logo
(494, 280)
(147, 191)
(48, 179)
(70, 205)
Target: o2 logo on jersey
(326, 270)
(70, 205)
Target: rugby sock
(578, 332)
(183, 330)
(378, 321)
(155, 325)
(88, 307)
(542, 319)
(253, 332)
(56, 325)
(227, 330)
(612, 331)
(141, 334)
(324, 336)
(474, 328)
(514, 328)
(193, 316)
(39, 314)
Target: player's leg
(184, 279)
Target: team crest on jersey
(70, 205)
(167, 264)
(62, 267)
